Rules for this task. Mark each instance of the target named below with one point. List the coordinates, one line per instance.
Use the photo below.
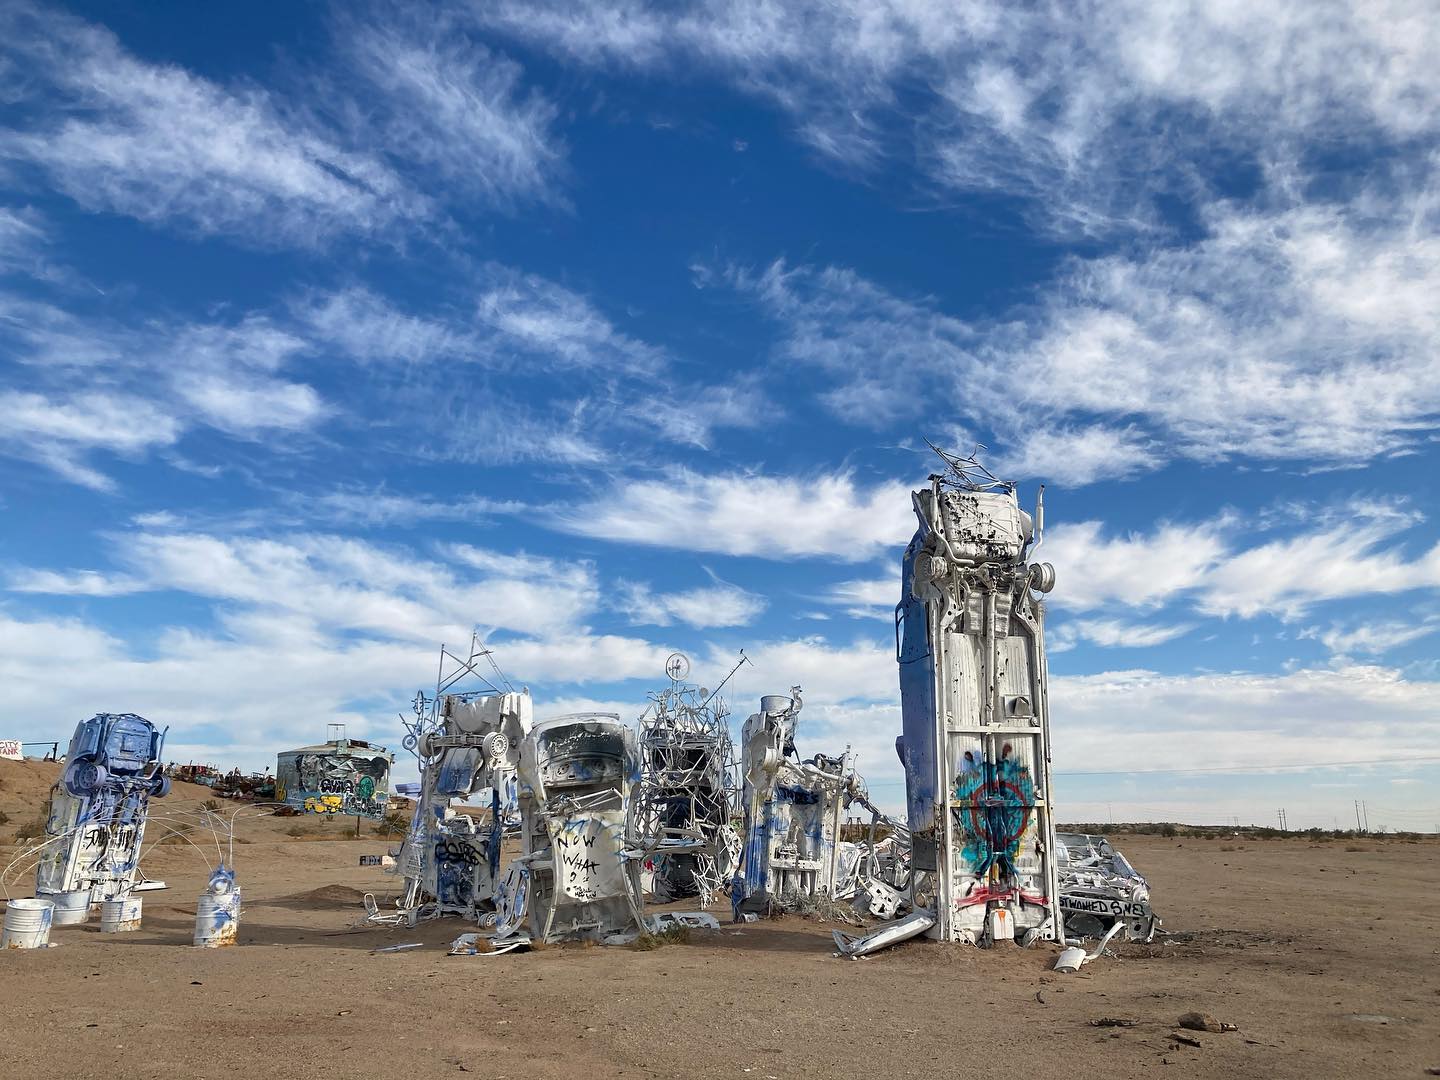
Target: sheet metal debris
(1100, 890)
(856, 946)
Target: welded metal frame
(465, 742)
(687, 793)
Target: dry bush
(31, 829)
(671, 935)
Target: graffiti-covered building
(342, 776)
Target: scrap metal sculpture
(793, 812)
(687, 791)
(98, 810)
(578, 874)
(467, 744)
(975, 745)
(1100, 890)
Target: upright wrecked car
(974, 710)
(99, 809)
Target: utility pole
(1358, 826)
(1365, 809)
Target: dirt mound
(25, 797)
(331, 895)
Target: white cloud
(60, 432)
(318, 627)
(453, 107)
(246, 405)
(1112, 633)
(1303, 334)
(163, 145)
(1371, 638)
(1344, 559)
(146, 384)
(1074, 457)
(241, 693)
(1034, 100)
(342, 584)
(718, 604)
(1132, 719)
(511, 312)
(369, 328)
(1240, 719)
(25, 244)
(538, 315)
(1136, 570)
(381, 507)
(411, 101)
(1344, 551)
(774, 517)
(690, 415)
(873, 598)
(829, 673)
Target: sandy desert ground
(1326, 956)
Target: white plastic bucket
(119, 915)
(71, 908)
(27, 923)
(217, 919)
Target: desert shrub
(393, 822)
(210, 804)
(4, 818)
(671, 935)
(31, 829)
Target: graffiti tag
(1128, 909)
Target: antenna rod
(738, 664)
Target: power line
(1250, 768)
(1220, 769)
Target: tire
(83, 778)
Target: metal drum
(217, 919)
(27, 923)
(120, 915)
(71, 908)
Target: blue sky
(612, 329)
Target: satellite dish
(677, 666)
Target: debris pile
(1100, 890)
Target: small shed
(341, 776)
